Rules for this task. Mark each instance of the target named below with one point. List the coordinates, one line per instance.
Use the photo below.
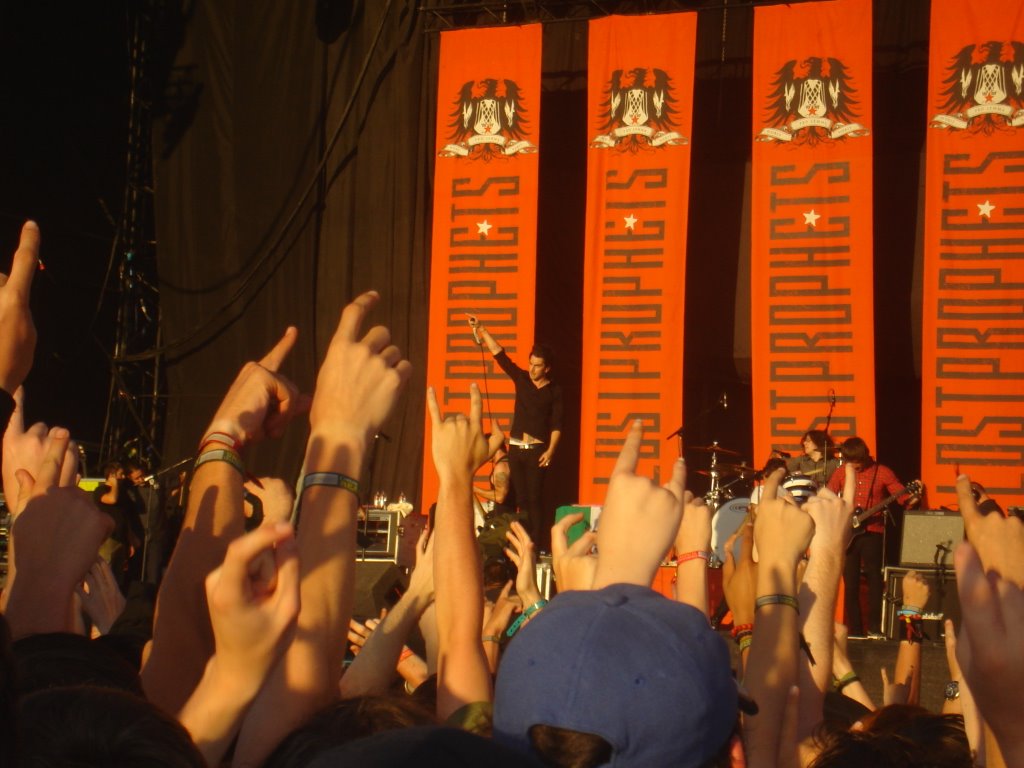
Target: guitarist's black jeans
(865, 549)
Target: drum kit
(727, 479)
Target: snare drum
(725, 523)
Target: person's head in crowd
(498, 571)
(620, 676)
(899, 735)
(855, 451)
(345, 721)
(90, 726)
(113, 472)
(817, 441)
(62, 659)
(135, 472)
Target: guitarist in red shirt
(877, 486)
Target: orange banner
(484, 257)
(638, 172)
(973, 326)
(812, 308)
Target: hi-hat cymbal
(714, 449)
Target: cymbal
(724, 470)
(736, 469)
(714, 449)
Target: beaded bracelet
(739, 629)
(698, 554)
(525, 616)
(789, 600)
(221, 454)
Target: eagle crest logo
(488, 122)
(638, 112)
(983, 91)
(812, 101)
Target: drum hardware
(715, 448)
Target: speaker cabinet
(378, 585)
(929, 538)
(943, 601)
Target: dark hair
(89, 726)
(772, 464)
(345, 721)
(855, 449)
(820, 438)
(543, 351)
(899, 735)
(562, 748)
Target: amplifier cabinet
(943, 601)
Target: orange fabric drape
(484, 257)
(972, 362)
(812, 312)
(638, 171)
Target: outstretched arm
(458, 447)
(252, 610)
(356, 389)
(483, 335)
(260, 402)
(17, 332)
(374, 667)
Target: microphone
(678, 432)
(723, 401)
(476, 335)
(832, 398)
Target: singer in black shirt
(536, 429)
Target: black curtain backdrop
(245, 251)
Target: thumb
(26, 484)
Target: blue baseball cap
(645, 673)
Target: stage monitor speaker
(943, 601)
(929, 538)
(378, 585)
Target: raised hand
(521, 553)
(635, 503)
(990, 577)
(101, 598)
(574, 566)
(261, 401)
(359, 633)
(55, 540)
(458, 443)
(739, 577)
(253, 617)
(360, 379)
(832, 515)
(25, 449)
(17, 332)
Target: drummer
(820, 457)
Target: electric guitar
(913, 488)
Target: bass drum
(725, 523)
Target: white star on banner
(985, 209)
(811, 218)
(483, 228)
(630, 222)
